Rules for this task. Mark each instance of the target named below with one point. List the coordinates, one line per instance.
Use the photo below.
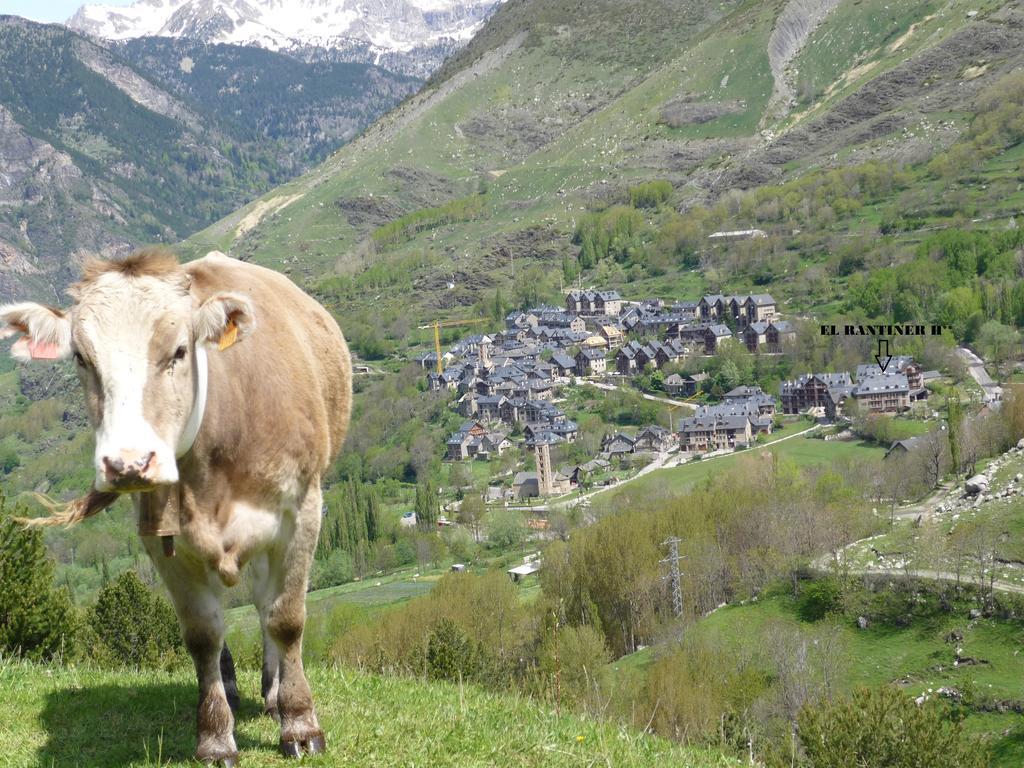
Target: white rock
(976, 484)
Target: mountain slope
(549, 112)
(100, 153)
(413, 35)
(81, 716)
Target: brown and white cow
(223, 386)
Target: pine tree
(498, 308)
(136, 626)
(372, 514)
(427, 507)
(37, 620)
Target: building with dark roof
(882, 393)
(814, 390)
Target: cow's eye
(79, 360)
(179, 353)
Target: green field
(370, 592)
(804, 450)
(917, 658)
(99, 719)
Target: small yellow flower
(579, 738)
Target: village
(510, 385)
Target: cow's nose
(128, 466)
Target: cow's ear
(224, 319)
(45, 332)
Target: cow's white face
(133, 337)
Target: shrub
(578, 658)
(883, 727)
(650, 194)
(818, 599)
(134, 626)
(450, 653)
(405, 552)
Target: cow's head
(133, 332)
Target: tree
(37, 620)
(135, 626)
(934, 456)
(998, 341)
(954, 423)
(459, 475)
(421, 454)
(507, 530)
(898, 479)
(1012, 412)
(427, 506)
(883, 728)
(471, 513)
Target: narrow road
(976, 368)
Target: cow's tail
(71, 512)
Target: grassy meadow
(86, 718)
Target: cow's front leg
(289, 563)
(195, 592)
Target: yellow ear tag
(229, 337)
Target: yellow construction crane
(437, 325)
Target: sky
(49, 10)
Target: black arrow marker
(883, 354)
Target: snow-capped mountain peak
(386, 26)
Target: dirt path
(999, 586)
(654, 398)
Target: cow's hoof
(224, 761)
(272, 713)
(314, 745)
(291, 748)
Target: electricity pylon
(672, 561)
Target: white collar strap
(195, 418)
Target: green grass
(901, 429)
(102, 719)
(805, 451)
(917, 658)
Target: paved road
(976, 368)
